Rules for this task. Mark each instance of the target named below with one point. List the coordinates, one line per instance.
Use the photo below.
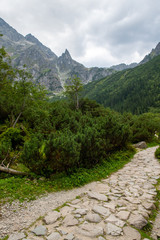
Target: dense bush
(61, 139)
(143, 127)
(33, 155)
(5, 148)
(60, 152)
(157, 153)
(77, 140)
(92, 146)
(11, 141)
(12, 136)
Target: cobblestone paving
(114, 210)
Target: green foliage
(5, 148)
(59, 153)
(153, 144)
(13, 136)
(33, 155)
(62, 152)
(5, 238)
(132, 90)
(143, 127)
(7, 74)
(92, 146)
(21, 188)
(157, 153)
(17, 93)
(10, 141)
(76, 139)
(73, 90)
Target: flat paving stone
(131, 233)
(137, 221)
(101, 210)
(69, 236)
(116, 221)
(95, 218)
(52, 217)
(17, 236)
(40, 230)
(98, 196)
(54, 236)
(90, 230)
(81, 211)
(113, 230)
(70, 220)
(123, 215)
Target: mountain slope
(134, 90)
(123, 66)
(47, 69)
(155, 52)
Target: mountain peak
(157, 49)
(67, 52)
(66, 55)
(155, 52)
(9, 32)
(29, 37)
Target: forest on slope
(134, 90)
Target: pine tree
(73, 90)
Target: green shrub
(116, 134)
(5, 148)
(12, 136)
(59, 153)
(77, 140)
(92, 147)
(157, 153)
(33, 153)
(62, 152)
(10, 142)
(142, 127)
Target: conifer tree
(73, 90)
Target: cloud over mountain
(96, 32)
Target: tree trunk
(17, 119)
(77, 102)
(12, 171)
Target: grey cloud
(98, 32)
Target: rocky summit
(155, 52)
(47, 68)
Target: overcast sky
(96, 32)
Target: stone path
(110, 209)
